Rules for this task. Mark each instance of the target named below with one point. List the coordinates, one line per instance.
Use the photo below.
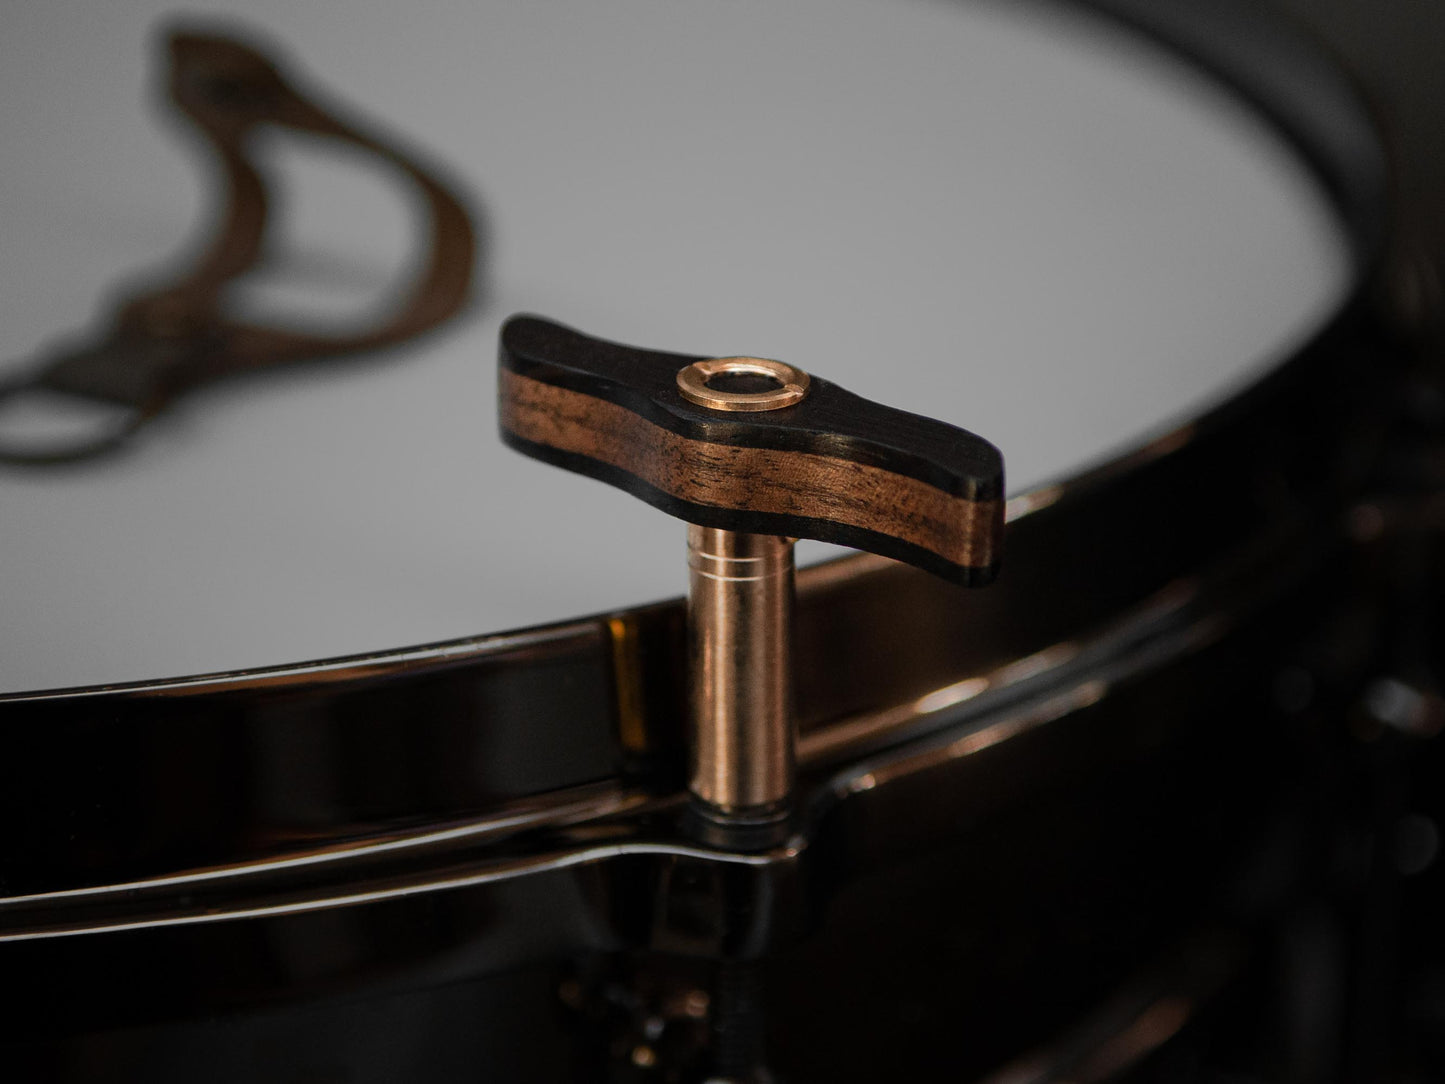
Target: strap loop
(171, 339)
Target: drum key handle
(752, 454)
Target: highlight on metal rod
(739, 618)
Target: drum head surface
(1017, 219)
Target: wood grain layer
(769, 481)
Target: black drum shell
(1144, 792)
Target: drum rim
(1358, 196)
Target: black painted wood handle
(831, 466)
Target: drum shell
(1223, 541)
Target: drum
(1048, 829)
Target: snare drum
(1042, 828)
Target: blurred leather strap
(167, 340)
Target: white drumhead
(1017, 219)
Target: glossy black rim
(123, 785)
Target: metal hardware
(752, 454)
(739, 633)
(740, 630)
(783, 385)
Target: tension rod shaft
(739, 616)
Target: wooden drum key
(752, 454)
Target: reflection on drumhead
(1022, 222)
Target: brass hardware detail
(739, 621)
(762, 479)
(740, 627)
(792, 384)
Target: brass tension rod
(739, 633)
(740, 629)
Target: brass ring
(792, 384)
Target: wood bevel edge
(762, 490)
(752, 430)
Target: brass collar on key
(792, 384)
(739, 622)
